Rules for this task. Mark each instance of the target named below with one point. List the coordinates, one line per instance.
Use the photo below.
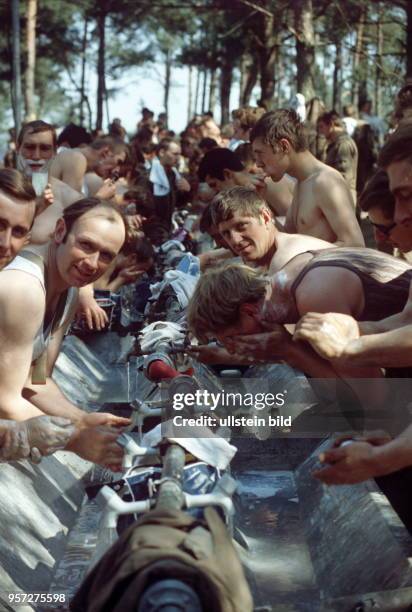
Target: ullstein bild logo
(210, 400)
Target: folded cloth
(160, 332)
(183, 285)
(210, 448)
(158, 176)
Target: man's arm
(392, 349)
(335, 201)
(22, 305)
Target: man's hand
(103, 419)
(182, 184)
(45, 200)
(131, 274)
(348, 464)
(48, 434)
(96, 439)
(268, 347)
(107, 190)
(208, 354)
(88, 309)
(328, 333)
(135, 222)
(14, 443)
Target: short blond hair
(244, 201)
(218, 296)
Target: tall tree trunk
(189, 94)
(31, 15)
(212, 90)
(360, 28)
(204, 91)
(226, 76)
(248, 80)
(197, 91)
(16, 65)
(337, 80)
(266, 51)
(408, 9)
(168, 74)
(378, 71)
(101, 77)
(305, 47)
(83, 72)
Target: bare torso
(279, 195)
(322, 207)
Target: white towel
(160, 332)
(158, 176)
(211, 449)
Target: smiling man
(322, 205)
(38, 294)
(247, 226)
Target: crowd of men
(284, 199)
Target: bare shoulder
(72, 156)
(330, 188)
(20, 289)
(22, 304)
(321, 291)
(327, 177)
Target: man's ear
(104, 152)
(60, 231)
(284, 145)
(228, 174)
(266, 216)
(249, 309)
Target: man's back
(70, 166)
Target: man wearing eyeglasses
(377, 200)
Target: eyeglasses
(383, 229)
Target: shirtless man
(386, 342)
(322, 204)
(36, 150)
(247, 226)
(40, 435)
(105, 154)
(221, 169)
(236, 304)
(33, 320)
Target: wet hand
(48, 434)
(348, 464)
(329, 334)
(208, 354)
(269, 346)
